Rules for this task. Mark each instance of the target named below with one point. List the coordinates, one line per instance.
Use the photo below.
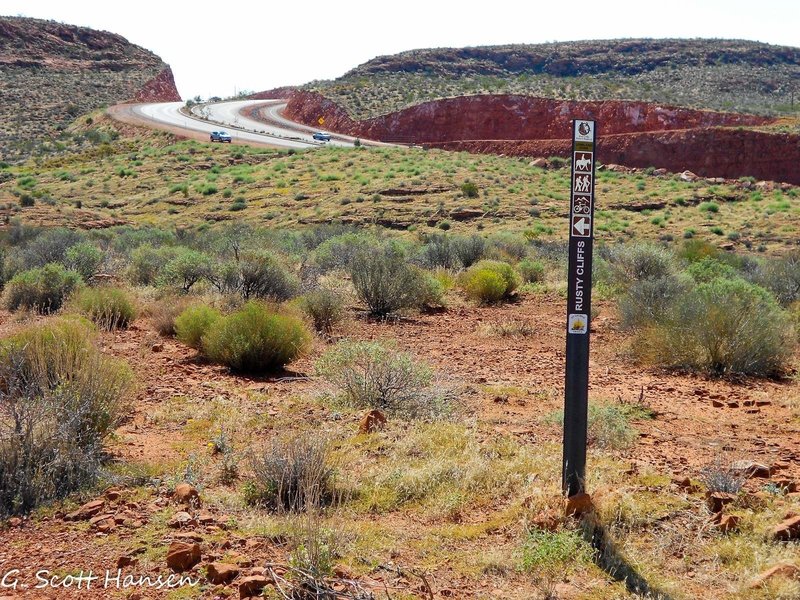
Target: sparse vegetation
(110, 308)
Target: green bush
(782, 277)
(630, 263)
(338, 252)
(110, 308)
(61, 399)
(84, 258)
(185, 269)
(147, 263)
(325, 307)
(532, 271)
(708, 269)
(256, 339)
(193, 323)
(548, 557)
(469, 189)
(377, 375)
(256, 275)
(468, 250)
(608, 426)
(647, 301)
(385, 282)
(721, 327)
(489, 281)
(43, 290)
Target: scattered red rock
(727, 523)
(87, 511)
(783, 570)
(788, 530)
(252, 586)
(222, 573)
(186, 494)
(182, 557)
(718, 500)
(182, 519)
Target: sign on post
(579, 300)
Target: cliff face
(51, 72)
(636, 134)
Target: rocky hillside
(731, 75)
(51, 72)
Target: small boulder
(688, 176)
(373, 421)
(538, 162)
(718, 500)
(748, 468)
(87, 511)
(103, 523)
(221, 573)
(182, 557)
(787, 570)
(252, 586)
(186, 494)
(113, 494)
(181, 519)
(126, 561)
(788, 530)
(728, 523)
(578, 505)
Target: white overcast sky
(218, 48)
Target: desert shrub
(339, 251)
(377, 375)
(49, 246)
(548, 557)
(296, 475)
(782, 277)
(438, 252)
(43, 289)
(432, 289)
(531, 270)
(631, 263)
(146, 263)
(469, 189)
(647, 301)
(193, 323)
(718, 476)
(695, 249)
(110, 308)
(84, 258)
(164, 312)
(60, 398)
(707, 269)
(385, 282)
(256, 275)
(185, 269)
(721, 327)
(468, 250)
(489, 281)
(325, 307)
(256, 339)
(507, 247)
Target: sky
(217, 49)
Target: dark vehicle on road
(220, 136)
(322, 137)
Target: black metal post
(579, 302)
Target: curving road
(273, 131)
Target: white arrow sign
(581, 226)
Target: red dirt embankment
(160, 88)
(635, 134)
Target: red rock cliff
(635, 134)
(160, 88)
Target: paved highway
(274, 130)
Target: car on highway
(220, 136)
(321, 136)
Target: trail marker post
(579, 304)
